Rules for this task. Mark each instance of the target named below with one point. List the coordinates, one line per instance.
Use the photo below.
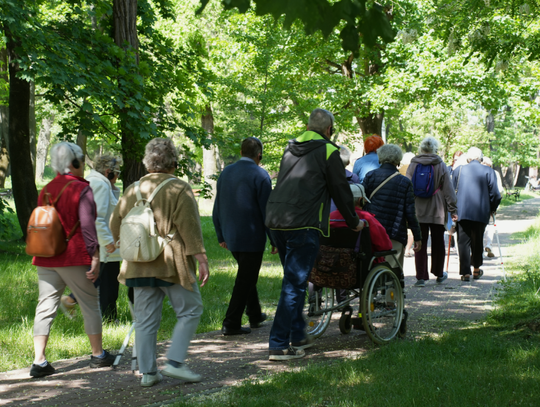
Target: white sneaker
(182, 373)
(149, 380)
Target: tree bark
(210, 156)
(22, 172)
(32, 124)
(4, 125)
(44, 140)
(371, 124)
(125, 36)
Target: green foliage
(6, 225)
(358, 21)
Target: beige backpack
(139, 240)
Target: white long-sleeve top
(106, 199)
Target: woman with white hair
(392, 201)
(432, 211)
(478, 198)
(78, 266)
(173, 272)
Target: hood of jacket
(307, 142)
(427, 159)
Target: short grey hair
(320, 120)
(474, 153)
(160, 155)
(345, 155)
(106, 162)
(63, 154)
(429, 145)
(390, 154)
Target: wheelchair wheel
(317, 318)
(382, 304)
(345, 324)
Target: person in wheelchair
(379, 238)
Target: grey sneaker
(420, 283)
(149, 380)
(286, 354)
(442, 278)
(183, 373)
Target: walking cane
(449, 246)
(499, 244)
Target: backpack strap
(151, 197)
(382, 184)
(48, 197)
(171, 234)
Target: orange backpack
(45, 236)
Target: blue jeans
(297, 251)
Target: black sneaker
(259, 323)
(286, 354)
(39, 371)
(105, 361)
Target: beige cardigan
(174, 205)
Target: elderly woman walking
(392, 201)
(432, 211)
(78, 266)
(173, 272)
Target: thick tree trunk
(125, 36)
(44, 140)
(210, 156)
(4, 125)
(371, 124)
(22, 172)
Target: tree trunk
(44, 140)
(32, 124)
(372, 124)
(210, 156)
(125, 36)
(4, 125)
(22, 172)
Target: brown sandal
(476, 275)
(466, 277)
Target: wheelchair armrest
(385, 253)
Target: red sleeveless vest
(68, 209)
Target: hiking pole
(499, 244)
(449, 246)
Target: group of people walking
(247, 212)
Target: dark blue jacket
(239, 211)
(477, 193)
(393, 204)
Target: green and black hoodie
(311, 172)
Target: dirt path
(224, 361)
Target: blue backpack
(423, 181)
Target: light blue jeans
(148, 306)
(297, 251)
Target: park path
(225, 361)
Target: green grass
(492, 363)
(19, 294)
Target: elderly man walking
(239, 213)
(311, 172)
(478, 197)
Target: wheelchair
(346, 261)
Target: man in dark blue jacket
(311, 171)
(239, 214)
(478, 197)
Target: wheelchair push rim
(382, 304)
(318, 314)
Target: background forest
(112, 74)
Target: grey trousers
(148, 306)
(52, 283)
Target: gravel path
(227, 360)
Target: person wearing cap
(432, 212)
(239, 213)
(478, 198)
(370, 161)
(392, 201)
(379, 238)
